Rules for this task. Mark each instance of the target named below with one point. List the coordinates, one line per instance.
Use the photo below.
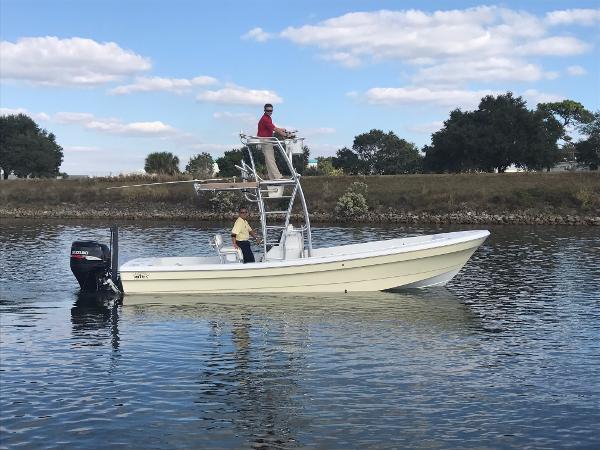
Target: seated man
(240, 233)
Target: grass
(558, 193)
(552, 193)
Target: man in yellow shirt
(240, 233)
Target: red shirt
(265, 126)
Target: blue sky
(116, 80)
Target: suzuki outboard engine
(93, 266)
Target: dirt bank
(170, 212)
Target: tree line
(503, 132)
(500, 133)
(199, 166)
(202, 165)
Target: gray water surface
(507, 356)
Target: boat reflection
(248, 363)
(95, 318)
(437, 307)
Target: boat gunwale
(467, 236)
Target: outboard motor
(93, 266)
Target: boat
(288, 262)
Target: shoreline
(480, 198)
(170, 212)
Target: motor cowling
(91, 265)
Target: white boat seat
(275, 191)
(227, 254)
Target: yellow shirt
(241, 229)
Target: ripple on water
(507, 356)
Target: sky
(117, 80)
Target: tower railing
(264, 192)
(286, 149)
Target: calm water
(507, 356)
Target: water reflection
(255, 389)
(93, 314)
(507, 356)
(436, 307)
(258, 354)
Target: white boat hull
(376, 266)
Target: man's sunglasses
(268, 110)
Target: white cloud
(413, 34)
(422, 95)
(107, 160)
(344, 58)
(115, 126)
(177, 85)
(257, 34)
(316, 132)
(235, 117)
(215, 149)
(426, 128)
(67, 62)
(326, 150)
(534, 97)
(406, 34)
(488, 69)
(576, 70)
(483, 40)
(556, 46)
(238, 95)
(444, 97)
(80, 149)
(585, 17)
(73, 117)
(42, 116)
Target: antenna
(166, 182)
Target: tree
(229, 160)
(200, 166)
(450, 149)
(325, 167)
(164, 163)
(503, 122)
(347, 160)
(397, 156)
(570, 112)
(543, 132)
(588, 150)
(366, 146)
(501, 132)
(26, 149)
(572, 115)
(385, 154)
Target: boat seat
(275, 191)
(227, 254)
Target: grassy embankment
(463, 198)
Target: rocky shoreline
(171, 212)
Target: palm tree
(162, 163)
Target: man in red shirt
(266, 128)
